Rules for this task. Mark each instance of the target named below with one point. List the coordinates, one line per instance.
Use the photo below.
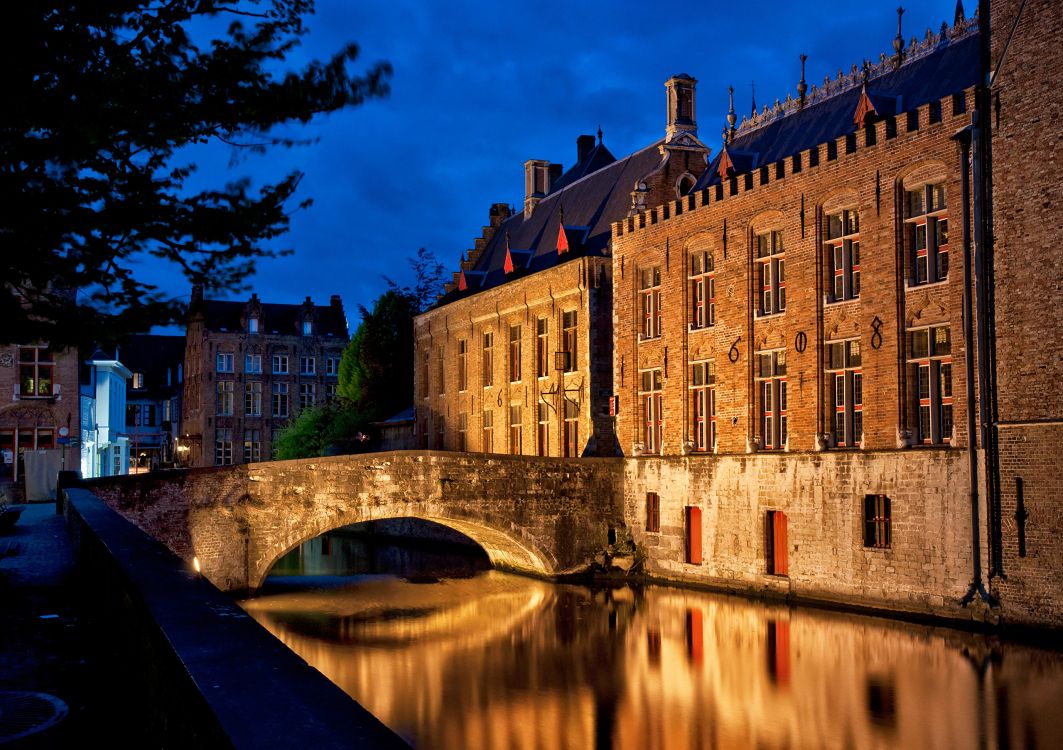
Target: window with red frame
(652, 406)
(930, 365)
(703, 405)
(771, 398)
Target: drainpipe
(965, 138)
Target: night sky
(479, 87)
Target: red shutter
(781, 565)
(693, 535)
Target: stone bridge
(546, 516)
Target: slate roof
(220, 315)
(591, 203)
(950, 67)
(148, 354)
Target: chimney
(539, 175)
(584, 146)
(681, 109)
(334, 301)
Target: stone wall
(926, 569)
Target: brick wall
(1027, 144)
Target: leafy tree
(105, 105)
(322, 431)
(429, 275)
(376, 370)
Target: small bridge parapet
(545, 516)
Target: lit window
(280, 399)
(308, 327)
(927, 233)
(252, 326)
(307, 365)
(224, 362)
(280, 364)
(253, 399)
(138, 381)
(771, 398)
(35, 372)
(516, 442)
(877, 521)
(930, 365)
(650, 300)
(514, 354)
(702, 290)
(771, 273)
(253, 364)
(488, 373)
(846, 397)
(487, 437)
(703, 405)
(252, 446)
(542, 349)
(542, 436)
(650, 386)
(570, 438)
(568, 339)
(223, 446)
(842, 248)
(225, 398)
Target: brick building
(809, 402)
(516, 356)
(248, 368)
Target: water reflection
(488, 660)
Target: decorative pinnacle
(898, 41)
(753, 95)
(802, 87)
(732, 118)
(865, 72)
(599, 135)
(960, 16)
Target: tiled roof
(593, 201)
(219, 315)
(598, 158)
(948, 66)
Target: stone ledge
(231, 682)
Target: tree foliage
(105, 106)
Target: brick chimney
(681, 110)
(584, 146)
(539, 175)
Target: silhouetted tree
(104, 103)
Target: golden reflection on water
(507, 663)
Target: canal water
(452, 655)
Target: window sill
(693, 327)
(839, 302)
(643, 337)
(763, 316)
(913, 285)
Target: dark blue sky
(480, 87)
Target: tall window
(280, 399)
(514, 354)
(307, 365)
(650, 387)
(280, 364)
(487, 376)
(703, 404)
(542, 433)
(771, 398)
(570, 439)
(930, 364)
(138, 381)
(252, 446)
(771, 273)
(425, 369)
(927, 230)
(441, 433)
(542, 349)
(223, 446)
(224, 362)
(650, 298)
(253, 364)
(308, 327)
(843, 254)
(877, 521)
(515, 441)
(253, 399)
(252, 325)
(332, 365)
(568, 339)
(846, 384)
(331, 389)
(702, 290)
(487, 438)
(224, 402)
(441, 371)
(463, 430)
(463, 364)
(36, 371)
(307, 395)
